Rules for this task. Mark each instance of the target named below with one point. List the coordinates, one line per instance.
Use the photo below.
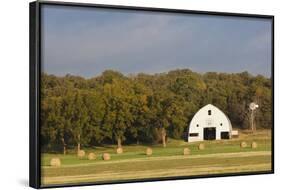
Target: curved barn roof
(211, 106)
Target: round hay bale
(243, 144)
(91, 156)
(148, 151)
(55, 162)
(186, 151)
(106, 156)
(119, 150)
(81, 154)
(254, 145)
(201, 146)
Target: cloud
(88, 43)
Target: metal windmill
(253, 106)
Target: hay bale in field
(254, 145)
(201, 146)
(148, 151)
(91, 156)
(186, 151)
(55, 162)
(106, 156)
(243, 144)
(81, 154)
(119, 150)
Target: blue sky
(86, 41)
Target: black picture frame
(35, 76)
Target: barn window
(221, 124)
(197, 125)
(224, 135)
(193, 134)
(209, 112)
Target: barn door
(209, 133)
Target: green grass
(137, 151)
(215, 158)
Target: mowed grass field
(218, 157)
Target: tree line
(142, 108)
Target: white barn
(209, 123)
